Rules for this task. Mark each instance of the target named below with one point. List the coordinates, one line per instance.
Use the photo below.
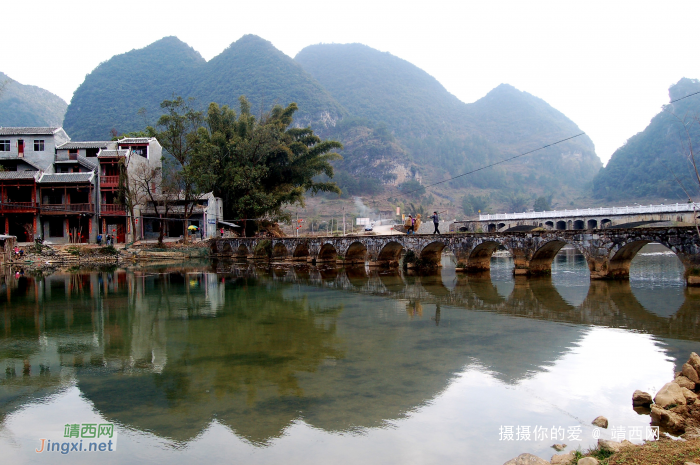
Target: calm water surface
(238, 364)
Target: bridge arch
(579, 225)
(549, 224)
(480, 256)
(605, 223)
(301, 251)
(592, 224)
(561, 225)
(242, 251)
(279, 251)
(541, 261)
(390, 252)
(227, 250)
(432, 252)
(327, 253)
(356, 253)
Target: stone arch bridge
(608, 252)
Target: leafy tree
(472, 204)
(543, 203)
(412, 188)
(517, 202)
(257, 166)
(176, 131)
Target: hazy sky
(607, 65)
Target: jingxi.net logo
(82, 437)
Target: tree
(159, 184)
(412, 188)
(543, 203)
(131, 193)
(517, 202)
(473, 204)
(257, 166)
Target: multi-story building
(65, 191)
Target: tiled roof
(112, 153)
(18, 174)
(66, 177)
(95, 144)
(81, 160)
(134, 140)
(30, 131)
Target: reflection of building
(65, 191)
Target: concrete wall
(43, 159)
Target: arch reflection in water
(167, 351)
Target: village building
(64, 191)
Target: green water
(231, 363)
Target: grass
(662, 452)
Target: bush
(108, 250)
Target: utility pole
(343, 221)
(297, 225)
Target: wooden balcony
(109, 181)
(68, 208)
(8, 206)
(112, 209)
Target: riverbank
(42, 256)
(675, 411)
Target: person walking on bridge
(436, 222)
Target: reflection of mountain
(170, 352)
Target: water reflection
(169, 350)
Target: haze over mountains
(396, 121)
(22, 105)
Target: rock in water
(527, 459)
(600, 422)
(562, 459)
(690, 373)
(559, 447)
(671, 421)
(640, 398)
(694, 361)
(684, 382)
(669, 394)
(588, 461)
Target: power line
(494, 164)
(689, 95)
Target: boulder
(640, 398)
(669, 420)
(690, 373)
(612, 446)
(588, 461)
(600, 422)
(669, 394)
(527, 459)
(684, 382)
(694, 361)
(562, 459)
(690, 396)
(559, 447)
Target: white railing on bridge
(604, 211)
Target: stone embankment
(38, 256)
(675, 410)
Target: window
(141, 151)
(4, 145)
(56, 227)
(38, 145)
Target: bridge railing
(605, 211)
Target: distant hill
(646, 165)
(396, 121)
(443, 135)
(23, 105)
(112, 95)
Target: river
(244, 363)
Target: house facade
(68, 192)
